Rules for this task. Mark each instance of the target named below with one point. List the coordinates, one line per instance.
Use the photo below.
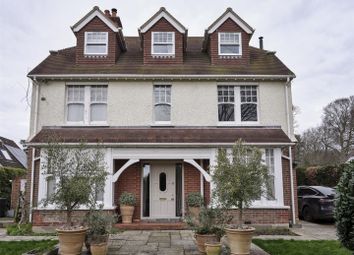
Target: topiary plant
(195, 199)
(127, 199)
(344, 209)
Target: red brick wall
(15, 192)
(263, 216)
(97, 25)
(191, 180)
(287, 184)
(130, 181)
(163, 26)
(229, 26)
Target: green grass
(292, 247)
(19, 247)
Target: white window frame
(87, 105)
(163, 54)
(229, 54)
(162, 103)
(278, 183)
(100, 43)
(6, 154)
(237, 106)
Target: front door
(163, 189)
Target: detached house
(162, 103)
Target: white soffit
(163, 14)
(94, 13)
(230, 14)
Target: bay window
(86, 104)
(162, 106)
(237, 104)
(269, 160)
(163, 43)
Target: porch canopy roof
(162, 135)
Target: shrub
(319, 175)
(19, 230)
(127, 199)
(195, 199)
(8, 174)
(344, 209)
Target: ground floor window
(179, 189)
(146, 190)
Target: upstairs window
(96, 43)
(98, 103)
(237, 104)
(162, 95)
(230, 44)
(163, 43)
(248, 103)
(226, 103)
(86, 104)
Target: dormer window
(230, 44)
(96, 43)
(163, 43)
(6, 155)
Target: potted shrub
(127, 203)
(99, 224)
(213, 248)
(194, 202)
(208, 227)
(78, 173)
(240, 178)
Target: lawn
(292, 247)
(19, 247)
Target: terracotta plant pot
(99, 249)
(240, 240)
(213, 248)
(127, 213)
(202, 239)
(71, 241)
(194, 212)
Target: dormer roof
(162, 13)
(95, 12)
(229, 13)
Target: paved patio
(164, 242)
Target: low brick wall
(58, 217)
(263, 216)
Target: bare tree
(338, 126)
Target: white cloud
(313, 38)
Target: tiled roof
(196, 62)
(18, 156)
(207, 135)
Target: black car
(316, 202)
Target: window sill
(232, 123)
(161, 124)
(74, 124)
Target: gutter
(41, 144)
(32, 185)
(159, 76)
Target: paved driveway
(309, 231)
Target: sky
(314, 38)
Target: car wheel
(306, 214)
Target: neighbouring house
(13, 157)
(162, 103)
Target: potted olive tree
(240, 178)
(78, 172)
(127, 203)
(194, 202)
(99, 224)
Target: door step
(167, 220)
(151, 226)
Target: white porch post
(108, 190)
